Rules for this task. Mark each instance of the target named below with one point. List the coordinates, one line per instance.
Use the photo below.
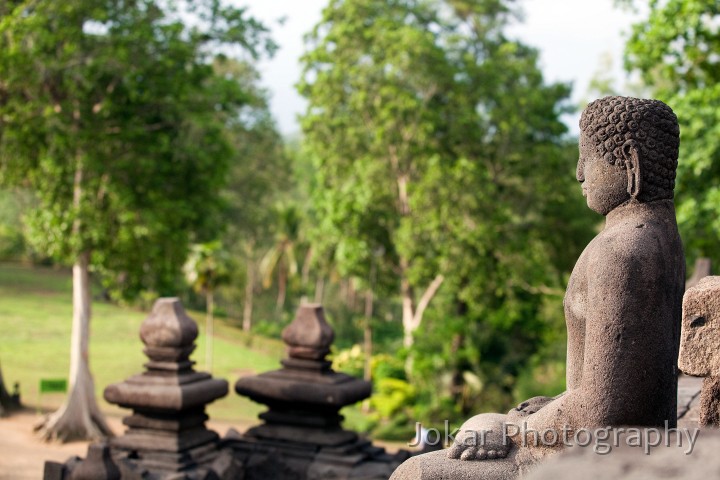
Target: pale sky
(572, 36)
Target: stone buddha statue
(622, 305)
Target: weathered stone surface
(330, 389)
(309, 335)
(168, 326)
(264, 459)
(700, 344)
(709, 415)
(167, 432)
(304, 396)
(97, 464)
(622, 303)
(631, 463)
(148, 394)
(436, 466)
(301, 437)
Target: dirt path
(23, 455)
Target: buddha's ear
(632, 165)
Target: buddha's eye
(697, 321)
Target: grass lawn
(35, 321)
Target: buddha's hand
(483, 437)
(528, 407)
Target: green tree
(375, 79)
(436, 138)
(397, 97)
(499, 217)
(111, 114)
(676, 50)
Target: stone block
(700, 337)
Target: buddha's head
(628, 151)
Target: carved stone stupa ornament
(166, 436)
(167, 427)
(306, 392)
(301, 437)
(622, 305)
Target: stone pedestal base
(437, 466)
(264, 458)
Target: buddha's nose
(579, 172)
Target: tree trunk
(351, 298)
(457, 379)
(282, 285)
(249, 290)
(79, 418)
(319, 288)
(343, 290)
(7, 401)
(412, 315)
(209, 329)
(305, 272)
(459, 364)
(407, 311)
(367, 335)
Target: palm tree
(249, 249)
(206, 269)
(282, 255)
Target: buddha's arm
(618, 334)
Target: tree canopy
(676, 51)
(120, 100)
(113, 115)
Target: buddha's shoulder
(633, 239)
